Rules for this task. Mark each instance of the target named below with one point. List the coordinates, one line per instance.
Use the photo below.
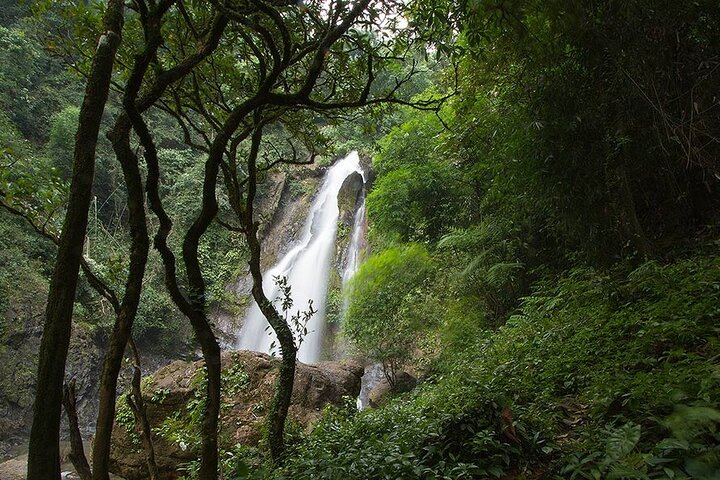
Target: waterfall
(307, 267)
(356, 243)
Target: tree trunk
(140, 245)
(633, 230)
(201, 326)
(286, 379)
(194, 307)
(142, 424)
(77, 451)
(138, 226)
(209, 429)
(120, 137)
(44, 447)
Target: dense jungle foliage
(38, 119)
(543, 248)
(561, 298)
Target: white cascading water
(307, 267)
(356, 243)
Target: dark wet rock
(349, 196)
(382, 392)
(19, 346)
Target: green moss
(300, 188)
(343, 232)
(334, 307)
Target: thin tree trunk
(209, 461)
(201, 326)
(77, 450)
(286, 378)
(142, 424)
(194, 310)
(628, 212)
(44, 447)
(140, 245)
(194, 307)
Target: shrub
(381, 321)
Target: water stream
(357, 243)
(307, 267)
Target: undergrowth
(598, 375)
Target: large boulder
(349, 200)
(349, 196)
(383, 391)
(174, 401)
(14, 469)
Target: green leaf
(622, 441)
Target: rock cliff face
(20, 335)
(350, 198)
(174, 393)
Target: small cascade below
(307, 268)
